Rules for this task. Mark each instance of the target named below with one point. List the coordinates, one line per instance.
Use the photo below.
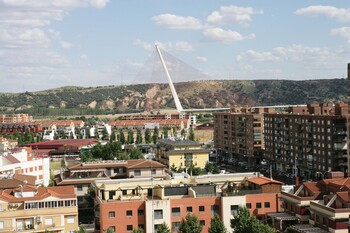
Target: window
(234, 210)
(201, 208)
(175, 226)
(111, 214)
(112, 228)
(48, 221)
(129, 213)
(141, 226)
(129, 227)
(80, 188)
(70, 219)
(189, 209)
(80, 199)
(248, 205)
(137, 172)
(267, 204)
(202, 222)
(1, 225)
(158, 214)
(154, 171)
(258, 205)
(214, 209)
(116, 170)
(175, 212)
(140, 212)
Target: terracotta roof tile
(41, 193)
(11, 159)
(263, 180)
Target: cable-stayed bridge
(178, 104)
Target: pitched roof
(162, 122)
(102, 164)
(65, 142)
(14, 180)
(144, 163)
(11, 159)
(40, 193)
(263, 180)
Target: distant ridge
(73, 100)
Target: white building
(21, 161)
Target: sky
(47, 44)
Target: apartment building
(22, 161)
(82, 175)
(308, 140)
(38, 209)
(21, 127)
(63, 128)
(181, 153)
(240, 133)
(324, 204)
(15, 118)
(127, 204)
(142, 124)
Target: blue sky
(54, 43)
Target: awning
(304, 228)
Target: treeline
(132, 98)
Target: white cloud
(145, 45)
(56, 3)
(224, 36)
(343, 32)
(202, 59)
(167, 46)
(183, 46)
(65, 45)
(23, 37)
(232, 14)
(26, 51)
(294, 53)
(83, 56)
(340, 14)
(256, 56)
(177, 22)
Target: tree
(137, 230)
(173, 168)
(216, 169)
(190, 224)
(165, 132)
(183, 133)
(174, 132)
(163, 228)
(191, 136)
(208, 167)
(155, 135)
(82, 230)
(217, 225)
(105, 135)
(139, 137)
(244, 223)
(130, 139)
(110, 230)
(87, 132)
(135, 153)
(121, 137)
(148, 138)
(96, 133)
(112, 137)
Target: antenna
(172, 88)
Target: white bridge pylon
(172, 88)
